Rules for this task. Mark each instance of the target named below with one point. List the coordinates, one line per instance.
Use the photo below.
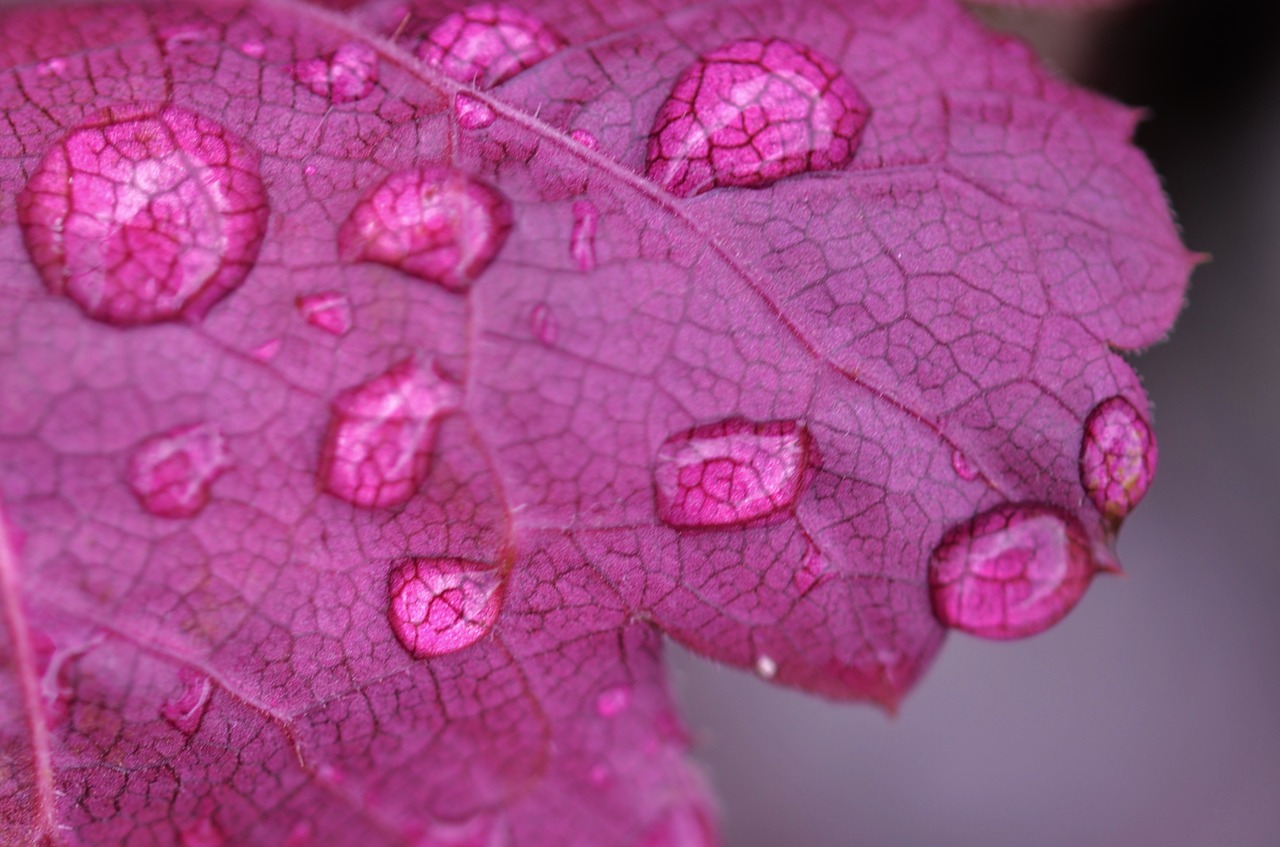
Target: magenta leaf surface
(378, 385)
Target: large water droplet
(752, 112)
(326, 310)
(1010, 572)
(582, 238)
(186, 710)
(472, 113)
(613, 701)
(730, 472)
(440, 606)
(144, 213)
(433, 222)
(488, 43)
(1117, 457)
(347, 74)
(377, 450)
(171, 473)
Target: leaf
(378, 386)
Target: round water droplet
(472, 113)
(432, 222)
(144, 213)
(543, 324)
(1117, 457)
(752, 112)
(730, 472)
(326, 310)
(613, 701)
(347, 74)
(960, 463)
(582, 239)
(585, 138)
(487, 44)
(766, 667)
(186, 710)
(377, 450)
(440, 606)
(1010, 572)
(171, 473)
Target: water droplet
(613, 701)
(432, 222)
(585, 138)
(171, 473)
(253, 49)
(766, 667)
(347, 74)
(960, 463)
(187, 709)
(582, 239)
(326, 310)
(730, 472)
(440, 606)
(377, 450)
(543, 324)
(812, 570)
(267, 350)
(52, 67)
(181, 35)
(1010, 572)
(487, 44)
(472, 113)
(1117, 457)
(144, 213)
(752, 112)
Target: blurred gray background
(1151, 715)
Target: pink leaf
(380, 383)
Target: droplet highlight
(1010, 572)
(186, 710)
(751, 113)
(730, 472)
(488, 43)
(440, 606)
(377, 449)
(960, 464)
(347, 74)
(472, 113)
(582, 238)
(171, 474)
(431, 222)
(613, 701)
(766, 667)
(329, 311)
(144, 213)
(1118, 457)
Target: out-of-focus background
(1151, 715)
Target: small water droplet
(377, 450)
(472, 113)
(432, 222)
(730, 472)
(582, 239)
(202, 833)
(960, 463)
(326, 310)
(330, 775)
(186, 710)
(585, 138)
(171, 473)
(52, 67)
(613, 701)
(751, 113)
(543, 324)
(1117, 457)
(812, 570)
(345, 75)
(143, 214)
(766, 667)
(253, 49)
(181, 35)
(487, 44)
(440, 606)
(310, 170)
(267, 350)
(1010, 572)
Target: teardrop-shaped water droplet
(144, 213)
(347, 74)
(433, 222)
(440, 606)
(377, 450)
(752, 112)
(1117, 457)
(582, 238)
(326, 310)
(730, 472)
(471, 112)
(171, 473)
(543, 324)
(613, 701)
(488, 43)
(960, 464)
(186, 710)
(1010, 572)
